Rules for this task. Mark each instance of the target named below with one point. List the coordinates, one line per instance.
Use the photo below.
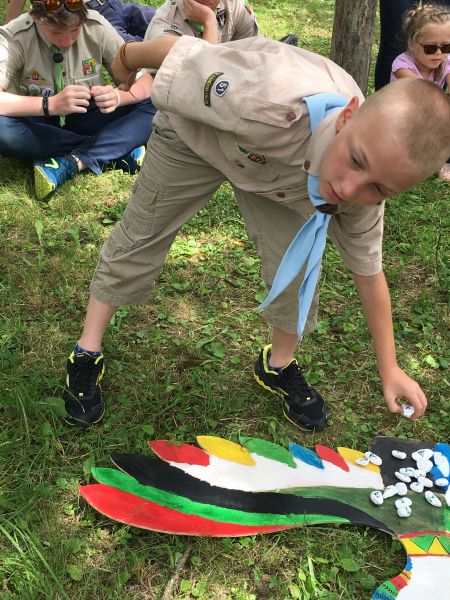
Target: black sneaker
(83, 396)
(302, 404)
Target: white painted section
(269, 475)
(430, 579)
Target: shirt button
(281, 194)
(239, 164)
(291, 116)
(306, 164)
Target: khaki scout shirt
(235, 21)
(238, 106)
(26, 58)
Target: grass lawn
(180, 366)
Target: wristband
(45, 106)
(123, 60)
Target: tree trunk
(351, 44)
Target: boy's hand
(198, 12)
(72, 99)
(105, 97)
(397, 385)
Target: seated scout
(130, 20)
(56, 109)
(306, 156)
(215, 21)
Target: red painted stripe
(419, 533)
(179, 453)
(133, 510)
(332, 456)
(399, 582)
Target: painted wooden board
(227, 489)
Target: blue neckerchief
(309, 243)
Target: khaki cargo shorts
(173, 185)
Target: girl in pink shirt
(427, 32)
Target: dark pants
(392, 42)
(94, 137)
(130, 20)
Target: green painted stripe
(268, 450)
(126, 483)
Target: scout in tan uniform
(128, 19)
(215, 21)
(56, 109)
(242, 112)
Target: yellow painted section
(411, 547)
(351, 455)
(437, 548)
(225, 449)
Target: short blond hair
(418, 114)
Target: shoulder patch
(208, 87)
(172, 32)
(221, 87)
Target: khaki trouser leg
(272, 226)
(173, 185)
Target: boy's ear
(347, 113)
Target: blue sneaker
(131, 162)
(51, 173)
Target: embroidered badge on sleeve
(208, 87)
(256, 158)
(221, 87)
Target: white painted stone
(442, 464)
(403, 502)
(441, 482)
(425, 482)
(389, 491)
(432, 499)
(404, 511)
(418, 473)
(401, 488)
(373, 458)
(423, 453)
(407, 410)
(402, 477)
(377, 497)
(399, 454)
(447, 496)
(408, 471)
(424, 464)
(362, 462)
(417, 487)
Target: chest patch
(260, 159)
(34, 84)
(89, 66)
(221, 17)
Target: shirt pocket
(270, 113)
(89, 80)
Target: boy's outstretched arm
(132, 56)
(375, 297)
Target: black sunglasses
(54, 5)
(433, 48)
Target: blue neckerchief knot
(308, 245)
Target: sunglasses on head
(54, 5)
(433, 48)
